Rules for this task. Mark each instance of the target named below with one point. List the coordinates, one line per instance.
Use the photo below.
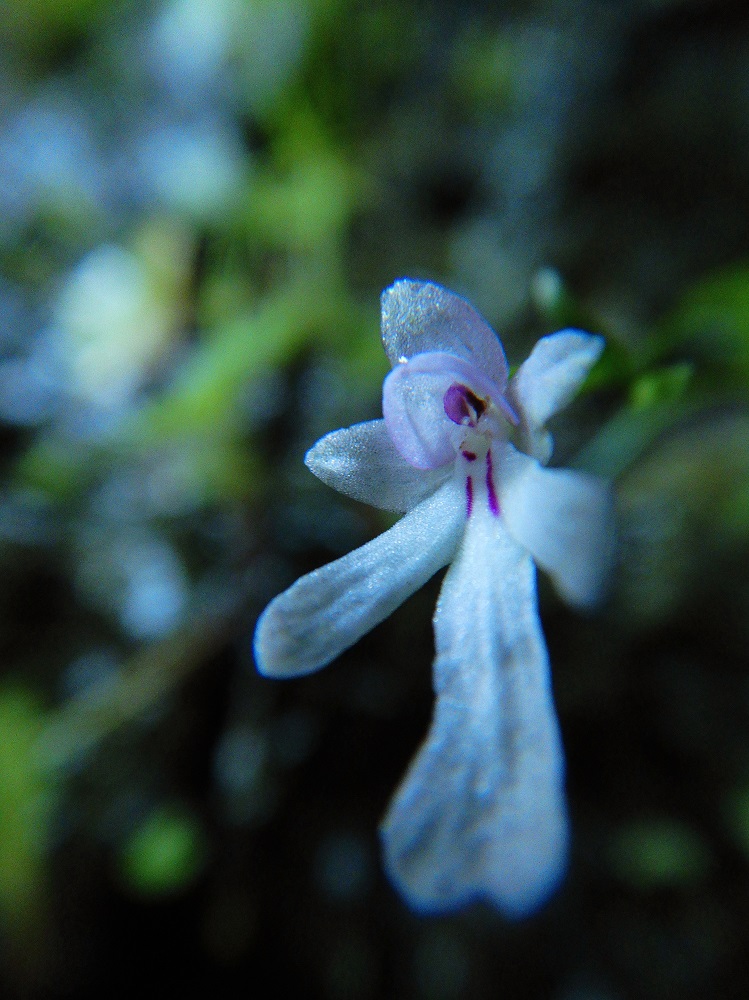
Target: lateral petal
(362, 462)
(419, 316)
(481, 812)
(553, 372)
(566, 521)
(325, 612)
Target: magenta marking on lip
(469, 455)
(469, 496)
(491, 492)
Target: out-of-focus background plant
(200, 202)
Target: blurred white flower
(117, 317)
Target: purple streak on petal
(463, 406)
(491, 492)
(469, 496)
(470, 456)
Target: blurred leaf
(660, 853)
(736, 811)
(38, 26)
(203, 397)
(616, 366)
(164, 854)
(733, 511)
(484, 70)
(658, 400)
(82, 724)
(681, 509)
(55, 465)
(627, 435)
(25, 811)
(305, 209)
(559, 307)
(663, 385)
(211, 470)
(270, 41)
(304, 200)
(712, 319)
(392, 40)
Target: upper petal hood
(415, 407)
(419, 316)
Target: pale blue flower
(481, 812)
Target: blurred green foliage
(712, 321)
(657, 853)
(26, 801)
(163, 854)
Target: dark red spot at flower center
(463, 406)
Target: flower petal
(481, 812)
(566, 521)
(325, 612)
(418, 316)
(414, 405)
(362, 462)
(552, 374)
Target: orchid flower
(460, 452)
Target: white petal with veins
(362, 462)
(418, 316)
(566, 521)
(481, 813)
(325, 612)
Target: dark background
(200, 202)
